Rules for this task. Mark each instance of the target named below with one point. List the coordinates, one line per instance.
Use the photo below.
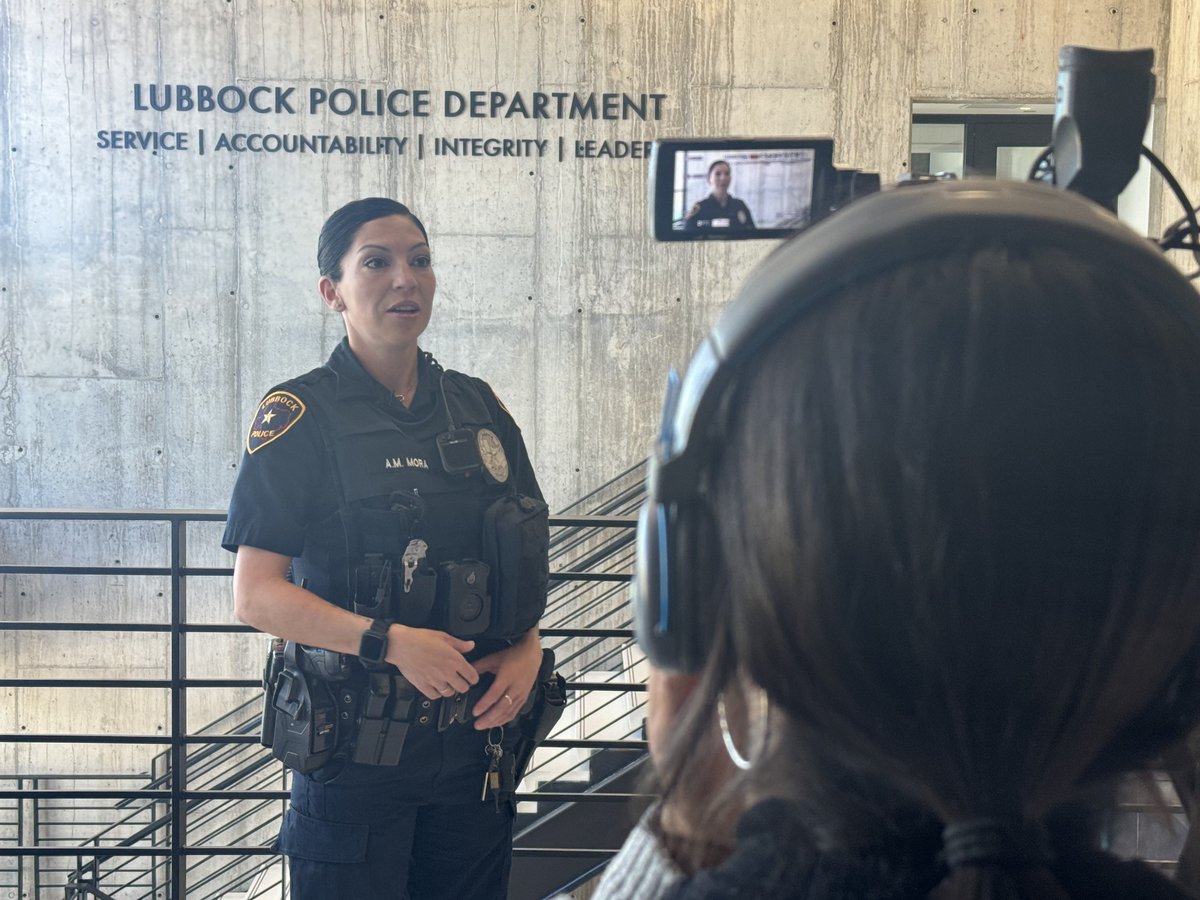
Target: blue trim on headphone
(663, 571)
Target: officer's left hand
(515, 668)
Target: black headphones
(675, 604)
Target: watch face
(492, 451)
(373, 645)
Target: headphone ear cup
(693, 565)
(651, 587)
(673, 595)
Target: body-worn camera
(459, 451)
(463, 594)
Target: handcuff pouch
(414, 607)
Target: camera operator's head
(931, 486)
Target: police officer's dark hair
(719, 162)
(958, 507)
(337, 234)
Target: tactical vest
(425, 534)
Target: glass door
(988, 146)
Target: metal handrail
(590, 570)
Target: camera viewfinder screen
(725, 191)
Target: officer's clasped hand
(516, 670)
(432, 660)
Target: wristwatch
(373, 645)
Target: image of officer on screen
(719, 210)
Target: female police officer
(363, 517)
(719, 210)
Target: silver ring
(509, 699)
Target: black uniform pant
(413, 832)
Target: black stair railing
(200, 822)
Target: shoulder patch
(278, 412)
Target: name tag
(720, 223)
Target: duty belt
(458, 709)
(391, 705)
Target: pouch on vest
(386, 532)
(390, 592)
(516, 545)
(373, 583)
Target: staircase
(576, 803)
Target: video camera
(747, 188)
(781, 184)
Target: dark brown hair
(959, 524)
(337, 234)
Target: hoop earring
(759, 727)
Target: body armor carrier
(431, 532)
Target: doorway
(1002, 139)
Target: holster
(318, 703)
(540, 714)
(300, 716)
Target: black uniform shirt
(734, 215)
(286, 482)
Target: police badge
(495, 462)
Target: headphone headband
(867, 238)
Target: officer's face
(385, 294)
(719, 178)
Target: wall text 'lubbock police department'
(399, 102)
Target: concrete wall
(149, 299)
(1182, 75)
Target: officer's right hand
(432, 660)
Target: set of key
(500, 776)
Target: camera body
(773, 187)
(746, 188)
